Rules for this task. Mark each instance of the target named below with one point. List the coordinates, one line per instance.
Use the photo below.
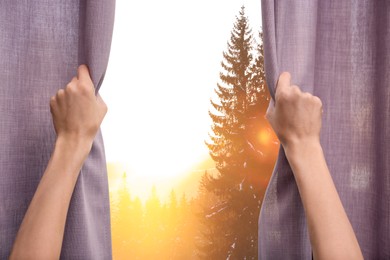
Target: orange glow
(264, 137)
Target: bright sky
(164, 64)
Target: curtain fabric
(339, 51)
(41, 45)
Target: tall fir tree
(231, 221)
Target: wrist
(75, 144)
(71, 153)
(301, 150)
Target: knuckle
(52, 102)
(70, 88)
(319, 101)
(307, 95)
(295, 89)
(282, 96)
(60, 93)
(82, 85)
(85, 87)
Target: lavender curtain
(339, 51)
(41, 44)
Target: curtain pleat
(41, 45)
(339, 51)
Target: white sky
(164, 64)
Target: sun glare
(264, 136)
(165, 161)
(158, 84)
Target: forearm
(330, 231)
(41, 232)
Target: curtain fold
(339, 51)
(41, 45)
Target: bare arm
(296, 119)
(77, 114)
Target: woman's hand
(295, 116)
(77, 112)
